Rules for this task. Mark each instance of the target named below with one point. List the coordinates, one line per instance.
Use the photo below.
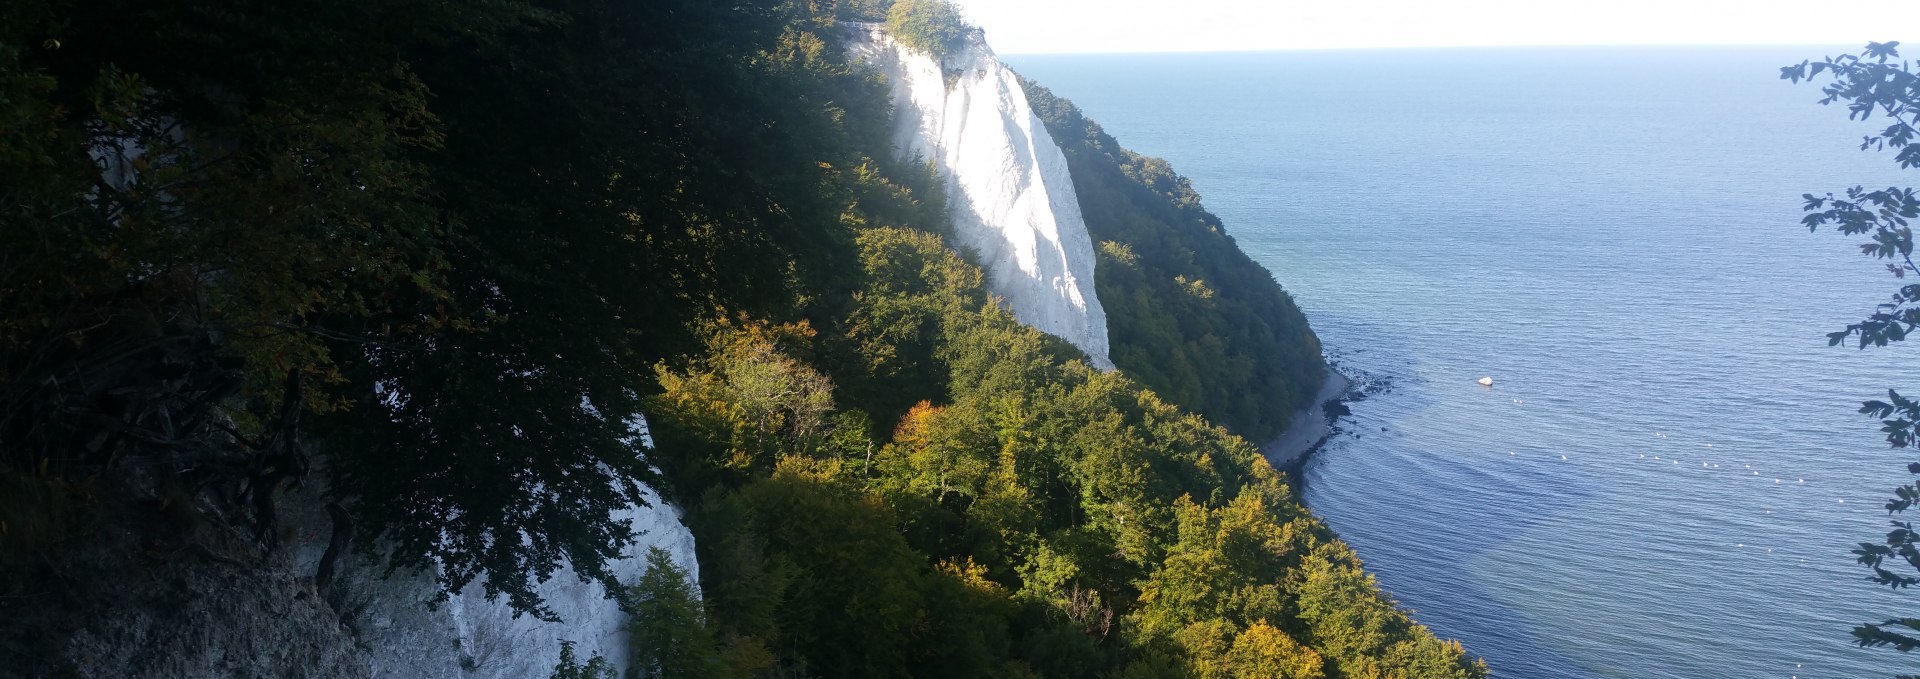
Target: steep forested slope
(1190, 315)
(457, 248)
(1034, 517)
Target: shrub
(932, 26)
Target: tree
(932, 26)
(671, 637)
(1263, 651)
(740, 407)
(467, 244)
(1875, 84)
(862, 10)
(463, 231)
(1191, 316)
(570, 667)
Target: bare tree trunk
(336, 546)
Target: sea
(1668, 474)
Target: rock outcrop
(1008, 188)
(147, 593)
(471, 637)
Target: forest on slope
(1191, 315)
(437, 258)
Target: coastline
(1310, 427)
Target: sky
(1069, 26)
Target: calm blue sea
(1668, 474)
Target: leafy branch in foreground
(467, 230)
(1876, 84)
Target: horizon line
(1382, 48)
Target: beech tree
(455, 236)
(1877, 85)
(457, 247)
(1191, 316)
(934, 26)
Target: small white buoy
(1486, 381)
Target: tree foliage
(1190, 314)
(1035, 517)
(671, 637)
(460, 249)
(570, 667)
(932, 26)
(863, 10)
(466, 232)
(1876, 85)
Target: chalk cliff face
(226, 609)
(1012, 202)
(1008, 189)
(471, 637)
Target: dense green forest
(932, 26)
(1190, 315)
(438, 258)
(1041, 519)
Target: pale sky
(1049, 26)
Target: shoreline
(1310, 427)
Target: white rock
(1008, 188)
(472, 637)
(501, 645)
(1486, 381)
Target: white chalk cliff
(472, 637)
(1012, 202)
(1008, 189)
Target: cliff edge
(1009, 192)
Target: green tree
(462, 247)
(462, 234)
(1263, 651)
(862, 10)
(611, 178)
(1191, 315)
(1872, 85)
(804, 563)
(742, 406)
(671, 638)
(570, 667)
(932, 26)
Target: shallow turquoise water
(1668, 474)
